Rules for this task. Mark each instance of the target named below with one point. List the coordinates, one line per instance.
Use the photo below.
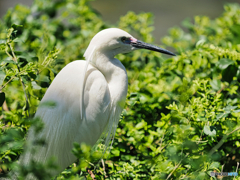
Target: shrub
(182, 114)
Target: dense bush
(182, 114)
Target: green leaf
(2, 41)
(9, 61)
(2, 76)
(141, 125)
(187, 23)
(237, 111)
(216, 84)
(50, 104)
(214, 165)
(224, 63)
(209, 130)
(43, 79)
(222, 115)
(115, 152)
(16, 26)
(35, 85)
(230, 108)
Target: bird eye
(123, 39)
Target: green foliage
(182, 114)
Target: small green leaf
(237, 111)
(2, 76)
(16, 26)
(115, 152)
(224, 63)
(2, 41)
(209, 130)
(43, 79)
(9, 62)
(222, 115)
(49, 104)
(216, 84)
(230, 108)
(35, 85)
(141, 124)
(214, 165)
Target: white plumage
(105, 88)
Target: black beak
(143, 45)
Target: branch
(7, 82)
(221, 142)
(177, 166)
(13, 56)
(236, 169)
(201, 136)
(104, 168)
(91, 174)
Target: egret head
(114, 41)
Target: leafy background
(182, 114)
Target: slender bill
(143, 45)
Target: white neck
(115, 74)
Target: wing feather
(63, 124)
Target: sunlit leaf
(209, 130)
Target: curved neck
(115, 74)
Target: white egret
(89, 97)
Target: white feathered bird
(89, 97)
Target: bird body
(83, 115)
(62, 123)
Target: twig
(185, 174)
(7, 82)
(104, 168)
(91, 174)
(201, 141)
(23, 86)
(200, 136)
(161, 141)
(222, 171)
(13, 56)
(233, 131)
(222, 168)
(25, 94)
(89, 163)
(177, 166)
(221, 142)
(18, 74)
(218, 145)
(236, 169)
(219, 91)
(4, 108)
